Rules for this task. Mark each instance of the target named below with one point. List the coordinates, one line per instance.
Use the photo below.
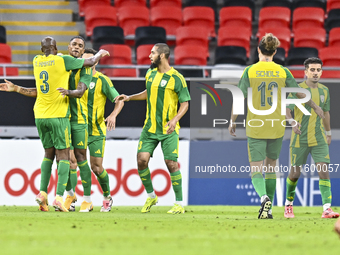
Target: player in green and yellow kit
(309, 137)
(265, 137)
(165, 87)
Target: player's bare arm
(327, 125)
(313, 105)
(232, 125)
(77, 93)
(183, 108)
(111, 119)
(295, 125)
(10, 87)
(135, 97)
(93, 60)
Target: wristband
(290, 121)
(329, 133)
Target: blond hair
(268, 45)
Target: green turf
(201, 230)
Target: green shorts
(54, 132)
(320, 154)
(79, 135)
(96, 146)
(149, 141)
(259, 149)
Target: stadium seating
(149, 35)
(107, 35)
(279, 57)
(333, 19)
(333, 4)
(6, 58)
(234, 36)
(99, 16)
(124, 3)
(190, 55)
(247, 3)
(160, 17)
(236, 16)
(143, 52)
(308, 17)
(2, 34)
(281, 3)
(119, 55)
(200, 16)
(334, 37)
(330, 56)
(274, 17)
(296, 57)
(207, 3)
(230, 55)
(190, 35)
(155, 3)
(283, 34)
(305, 38)
(131, 17)
(310, 3)
(83, 4)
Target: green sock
(63, 171)
(176, 180)
(46, 169)
(146, 179)
(290, 189)
(85, 175)
(270, 181)
(72, 180)
(258, 183)
(103, 180)
(325, 189)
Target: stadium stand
(234, 36)
(200, 16)
(143, 52)
(279, 57)
(83, 4)
(330, 56)
(190, 35)
(230, 55)
(155, 3)
(282, 33)
(274, 17)
(149, 35)
(6, 58)
(333, 4)
(247, 3)
(124, 3)
(131, 17)
(281, 3)
(99, 16)
(303, 37)
(334, 37)
(160, 17)
(310, 3)
(236, 16)
(309, 17)
(333, 19)
(107, 35)
(296, 57)
(2, 34)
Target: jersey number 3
(44, 77)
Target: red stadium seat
(131, 17)
(200, 16)
(83, 4)
(6, 58)
(168, 17)
(274, 17)
(234, 36)
(156, 3)
(330, 56)
(308, 17)
(282, 33)
(123, 3)
(304, 37)
(193, 36)
(190, 55)
(96, 16)
(119, 55)
(143, 52)
(333, 4)
(298, 73)
(334, 37)
(235, 16)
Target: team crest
(163, 83)
(322, 97)
(92, 84)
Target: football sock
(63, 170)
(46, 169)
(146, 179)
(103, 180)
(85, 174)
(325, 189)
(258, 183)
(152, 194)
(176, 180)
(72, 180)
(270, 181)
(87, 199)
(290, 190)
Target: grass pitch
(201, 230)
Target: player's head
(49, 46)
(76, 46)
(268, 45)
(313, 69)
(88, 52)
(160, 52)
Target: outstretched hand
(104, 53)
(7, 86)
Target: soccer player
(165, 87)
(51, 112)
(311, 135)
(265, 137)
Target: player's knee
(142, 163)
(80, 155)
(172, 165)
(96, 168)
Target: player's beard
(156, 63)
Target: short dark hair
(163, 48)
(312, 60)
(90, 51)
(78, 37)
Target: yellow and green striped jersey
(262, 77)
(164, 91)
(78, 106)
(312, 129)
(100, 88)
(50, 73)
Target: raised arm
(10, 87)
(135, 97)
(93, 60)
(183, 108)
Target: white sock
(152, 194)
(87, 199)
(326, 206)
(59, 195)
(270, 211)
(289, 202)
(263, 197)
(179, 203)
(107, 198)
(70, 192)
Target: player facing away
(265, 141)
(165, 87)
(311, 135)
(51, 111)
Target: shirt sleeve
(290, 80)
(86, 76)
(181, 88)
(72, 63)
(327, 107)
(244, 83)
(108, 89)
